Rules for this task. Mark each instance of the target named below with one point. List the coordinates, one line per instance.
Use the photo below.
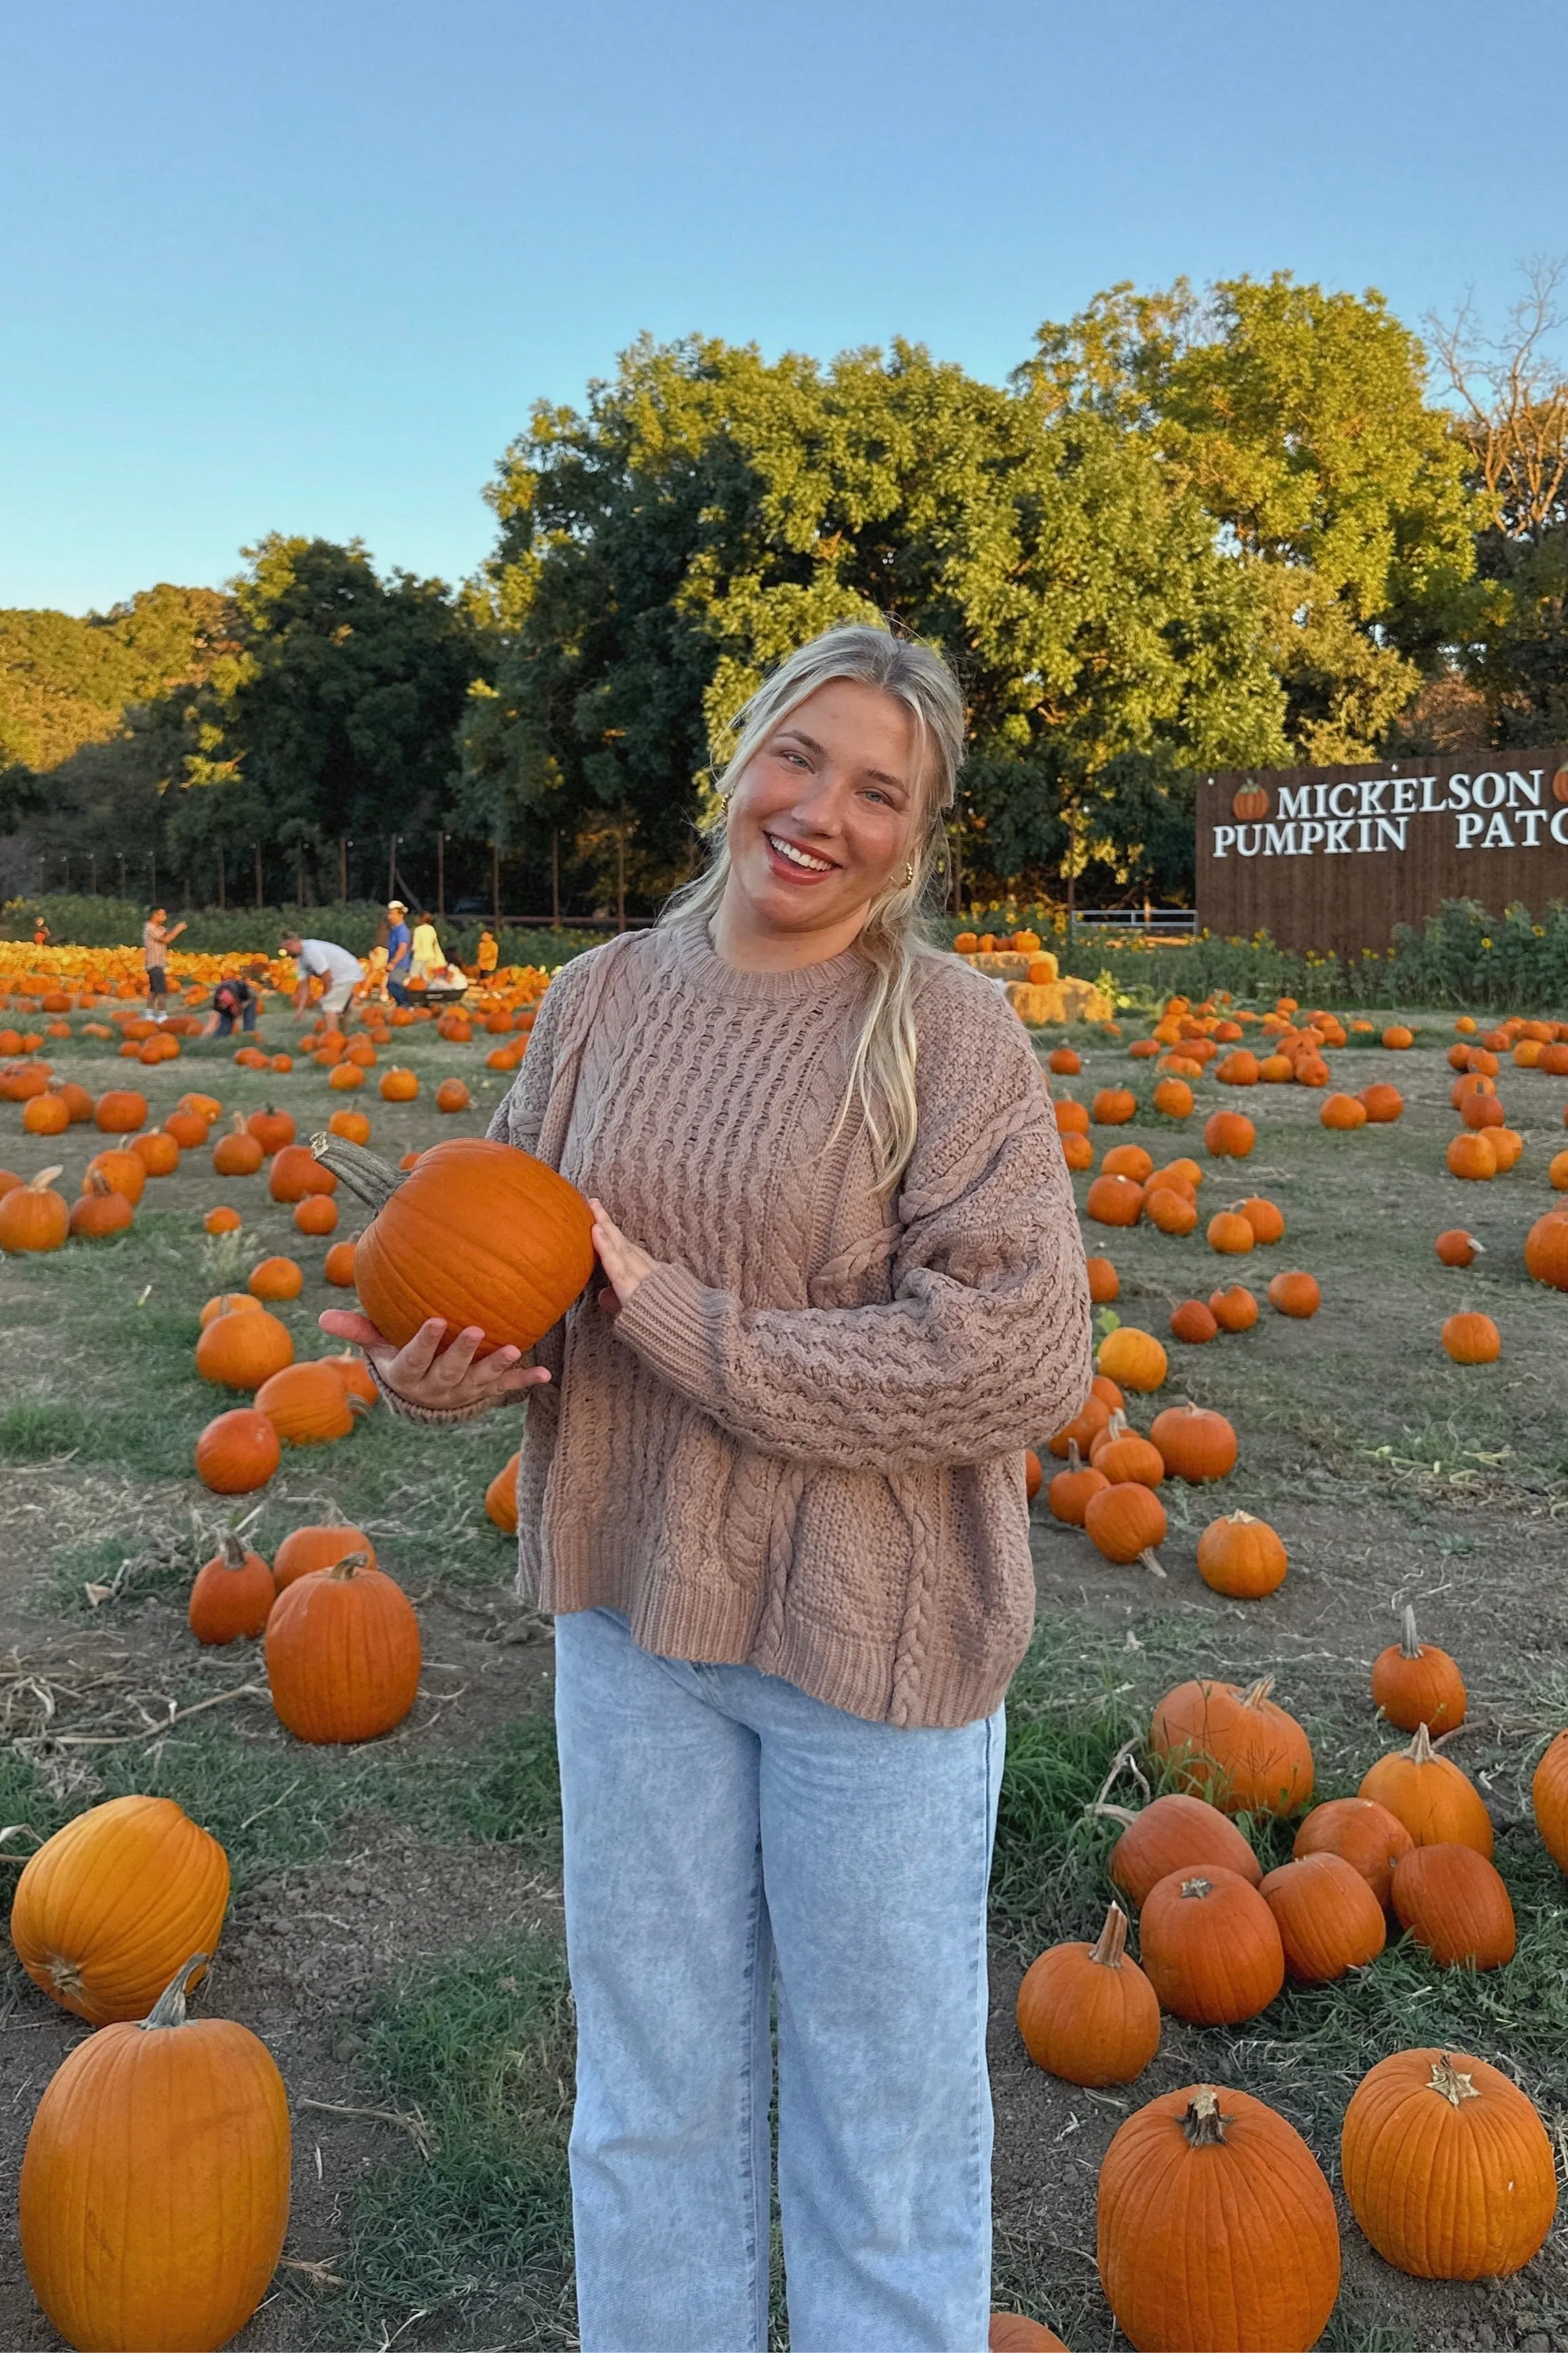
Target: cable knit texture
(800, 1445)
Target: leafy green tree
(711, 511)
(333, 713)
(1301, 419)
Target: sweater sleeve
(984, 1346)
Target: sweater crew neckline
(704, 970)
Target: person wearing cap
(399, 952)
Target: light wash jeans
(726, 1835)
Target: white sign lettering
(1495, 809)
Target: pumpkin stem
(1447, 2080)
(1074, 1459)
(367, 1176)
(1113, 1943)
(1122, 1814)
(1410, 1644)
(233, 1548)
(1196, 1888)
(346, 1567)
(1258, 1692)
(1421, 1751)
(1150, 1560)
(43, 1180)
(1203, 2122)
(169, 2009)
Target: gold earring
(910, 872)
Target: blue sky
(304, 267)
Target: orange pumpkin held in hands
(1448, 2167)
(1086, 2013)
(178, 2130)
(1191, 2193)
(477, 1233)
(1414, 1683)
(87, 1926)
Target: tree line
(1258, 526)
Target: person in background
(487, 956)
(399, 951)
(40, 934)
(375, 975)
(156, 941)
(237, 997)
(427, 955)
(341, 971)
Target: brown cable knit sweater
(801, 1443)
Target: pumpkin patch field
(1279, 1907)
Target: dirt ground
(1392, 1476)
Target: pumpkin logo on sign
(1250, 805)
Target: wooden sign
(1333, 858)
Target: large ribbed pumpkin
(475, 1232)
(111, 1906)
(1446, 2166)
(154, 2191)
(342, 1654)
(1171, 1834)
(1215, 2227)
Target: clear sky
(303, 266)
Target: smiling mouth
(801, 857)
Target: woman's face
(823, 818)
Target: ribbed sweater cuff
(665, 1321)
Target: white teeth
(799, 856)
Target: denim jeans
(729, 1838)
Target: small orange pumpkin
(1088, 2014)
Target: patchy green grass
(477, 2045)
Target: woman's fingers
(346, 1324)
(415, 1356)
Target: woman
(775, 1497)
(426, 955)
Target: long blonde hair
(882, 1064)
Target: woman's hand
(622, 1261)
(445, 1383)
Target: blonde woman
(773, 1489)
